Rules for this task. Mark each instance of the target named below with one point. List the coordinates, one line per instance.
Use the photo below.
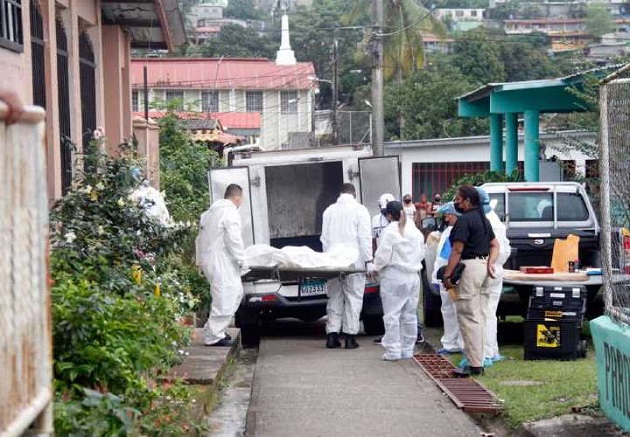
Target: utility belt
(475, 257)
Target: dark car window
(571, 207)
(530, 206)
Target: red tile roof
(228, 73)
(228, 120)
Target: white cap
(382, 201)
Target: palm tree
(404, 23)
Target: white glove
(244, 269)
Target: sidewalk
(204, 365)
(300, 387)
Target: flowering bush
(119, 289)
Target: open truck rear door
(218, 180)
(378, 175)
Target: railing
(25, 340)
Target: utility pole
(378, 126)
(333, 121)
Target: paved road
(303, 389)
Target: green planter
(612, 357)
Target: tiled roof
(223, 73)
(228, 120)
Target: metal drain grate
(466, 393)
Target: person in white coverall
(346, 222)
(379, 221)
(494, 285)
(452, 338)
(221, 256)
(398, 261)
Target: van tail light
(269, 298)
(264, 298)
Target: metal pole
(335, 134)
(378, 126)
(146, 94)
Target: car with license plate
(286, 193)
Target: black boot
(467, 371)
(351, 341)
(332, 340)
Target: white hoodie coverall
(452, 338)
(221, 256)
(347, 223)
(494, 286)
(398, 261)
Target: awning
(152, 24)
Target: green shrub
(113, 332)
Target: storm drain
(466, 393)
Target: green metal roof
(545, 95)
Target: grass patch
(534, 390)
(563, 385)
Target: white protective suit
(379, 222)
(495, 287)
(398, 261)
(221, 256)
(346, 222)
(452, 338)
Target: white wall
(472, 149)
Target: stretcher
(295, 274)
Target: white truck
(286, 192)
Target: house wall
(274, 126)
(16, 73)
(473, 149)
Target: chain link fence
(353, 127)
(615, 196)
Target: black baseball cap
(393, 206)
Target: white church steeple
(285, 55)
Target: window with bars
(177, 95)
(209, 101)
(253, 101)
(288, 102)
(135, 101)
(11, 32)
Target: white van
(286, 192)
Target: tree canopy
(598, 20)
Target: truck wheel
(249, 325)
(250, 335)
(373, 324)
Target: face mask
(407, 200)
(437, 199)
(458, 208)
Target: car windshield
(538, 206)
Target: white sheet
(263, 255)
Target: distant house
(460, 14)
(72, 58)
(435, 44)
(244, 94)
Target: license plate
(312, 287)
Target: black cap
(393, 206)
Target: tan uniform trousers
(471, 300)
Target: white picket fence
(25, 339)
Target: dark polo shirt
(474, 230)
